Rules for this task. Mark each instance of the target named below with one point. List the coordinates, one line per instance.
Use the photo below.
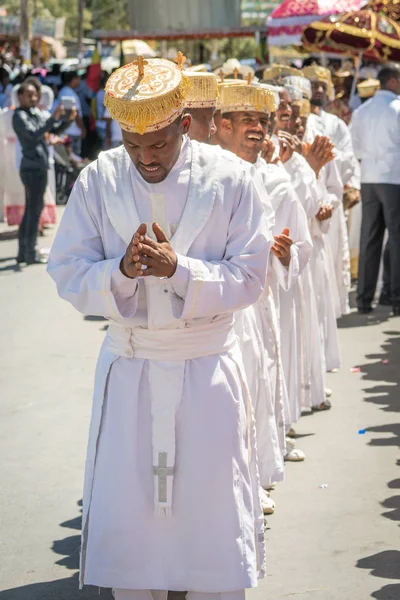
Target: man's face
(247, 132)
(295, 120)
(319, 93)
(203, 126)
(75, 83)
(395, 85)
(283, 113)
(30, 97)
(154, 154)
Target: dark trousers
(35, 183)
(380, 210)
(386, 287)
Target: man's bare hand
(287, 146)
(159, 257)
(320, 153)
(268, 150)
(324, 213)
(130, 265)
(281, 247)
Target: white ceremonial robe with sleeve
(347, 173)
(312, 365)
(168, 335)
(323, 275)
(283, 282)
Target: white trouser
(163, 595)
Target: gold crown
(277, 72)
(368, 88)
(203, 92)
(146, 95)
(235, 97)
(317, 73)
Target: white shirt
(116, 132)
(375, 129)
(73, 130)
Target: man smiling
(164, 237)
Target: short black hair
(69, 76)
(24, 86)
(32, 80)
(387, 73)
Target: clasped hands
(145, 257)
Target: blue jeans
(76, 142)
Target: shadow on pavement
(385, 371)
(61, 589)
(388, 592)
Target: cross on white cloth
(162, 472)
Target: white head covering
(46, 98)
(14, 96)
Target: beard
(317, 102)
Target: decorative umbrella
(360, 32)
(287, 21)
(390, 8)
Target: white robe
(282, 281)
(311, 363)
(348, 173)
(323, 276)
(213, 542)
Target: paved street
(335, 534)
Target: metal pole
(24, 43)
(356, 75)
(81, 6)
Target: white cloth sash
(167, 350)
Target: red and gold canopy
(363, 31)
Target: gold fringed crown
(277, 72)
(203, 92)
(146, 95)
(317, 73)
(235, 97)
(368, 88)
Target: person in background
(86, 95)
(113, 131)
(31, 125)
(375, 130)
(5, 88)
(100, 110)
(76, 131)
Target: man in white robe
(171, 434)
(249, 330)
(201, 103)
(246, 128)
(336, 129)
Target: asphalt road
(335, 533)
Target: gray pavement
(335, 542)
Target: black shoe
(396, 311)
(385, 299)
(20, 259)
(365, 310)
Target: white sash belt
(167, 350)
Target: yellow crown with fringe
(203, 92)
(146, 95)
(368, 88)
(317, 73)
(277, 72)
(235, 97)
